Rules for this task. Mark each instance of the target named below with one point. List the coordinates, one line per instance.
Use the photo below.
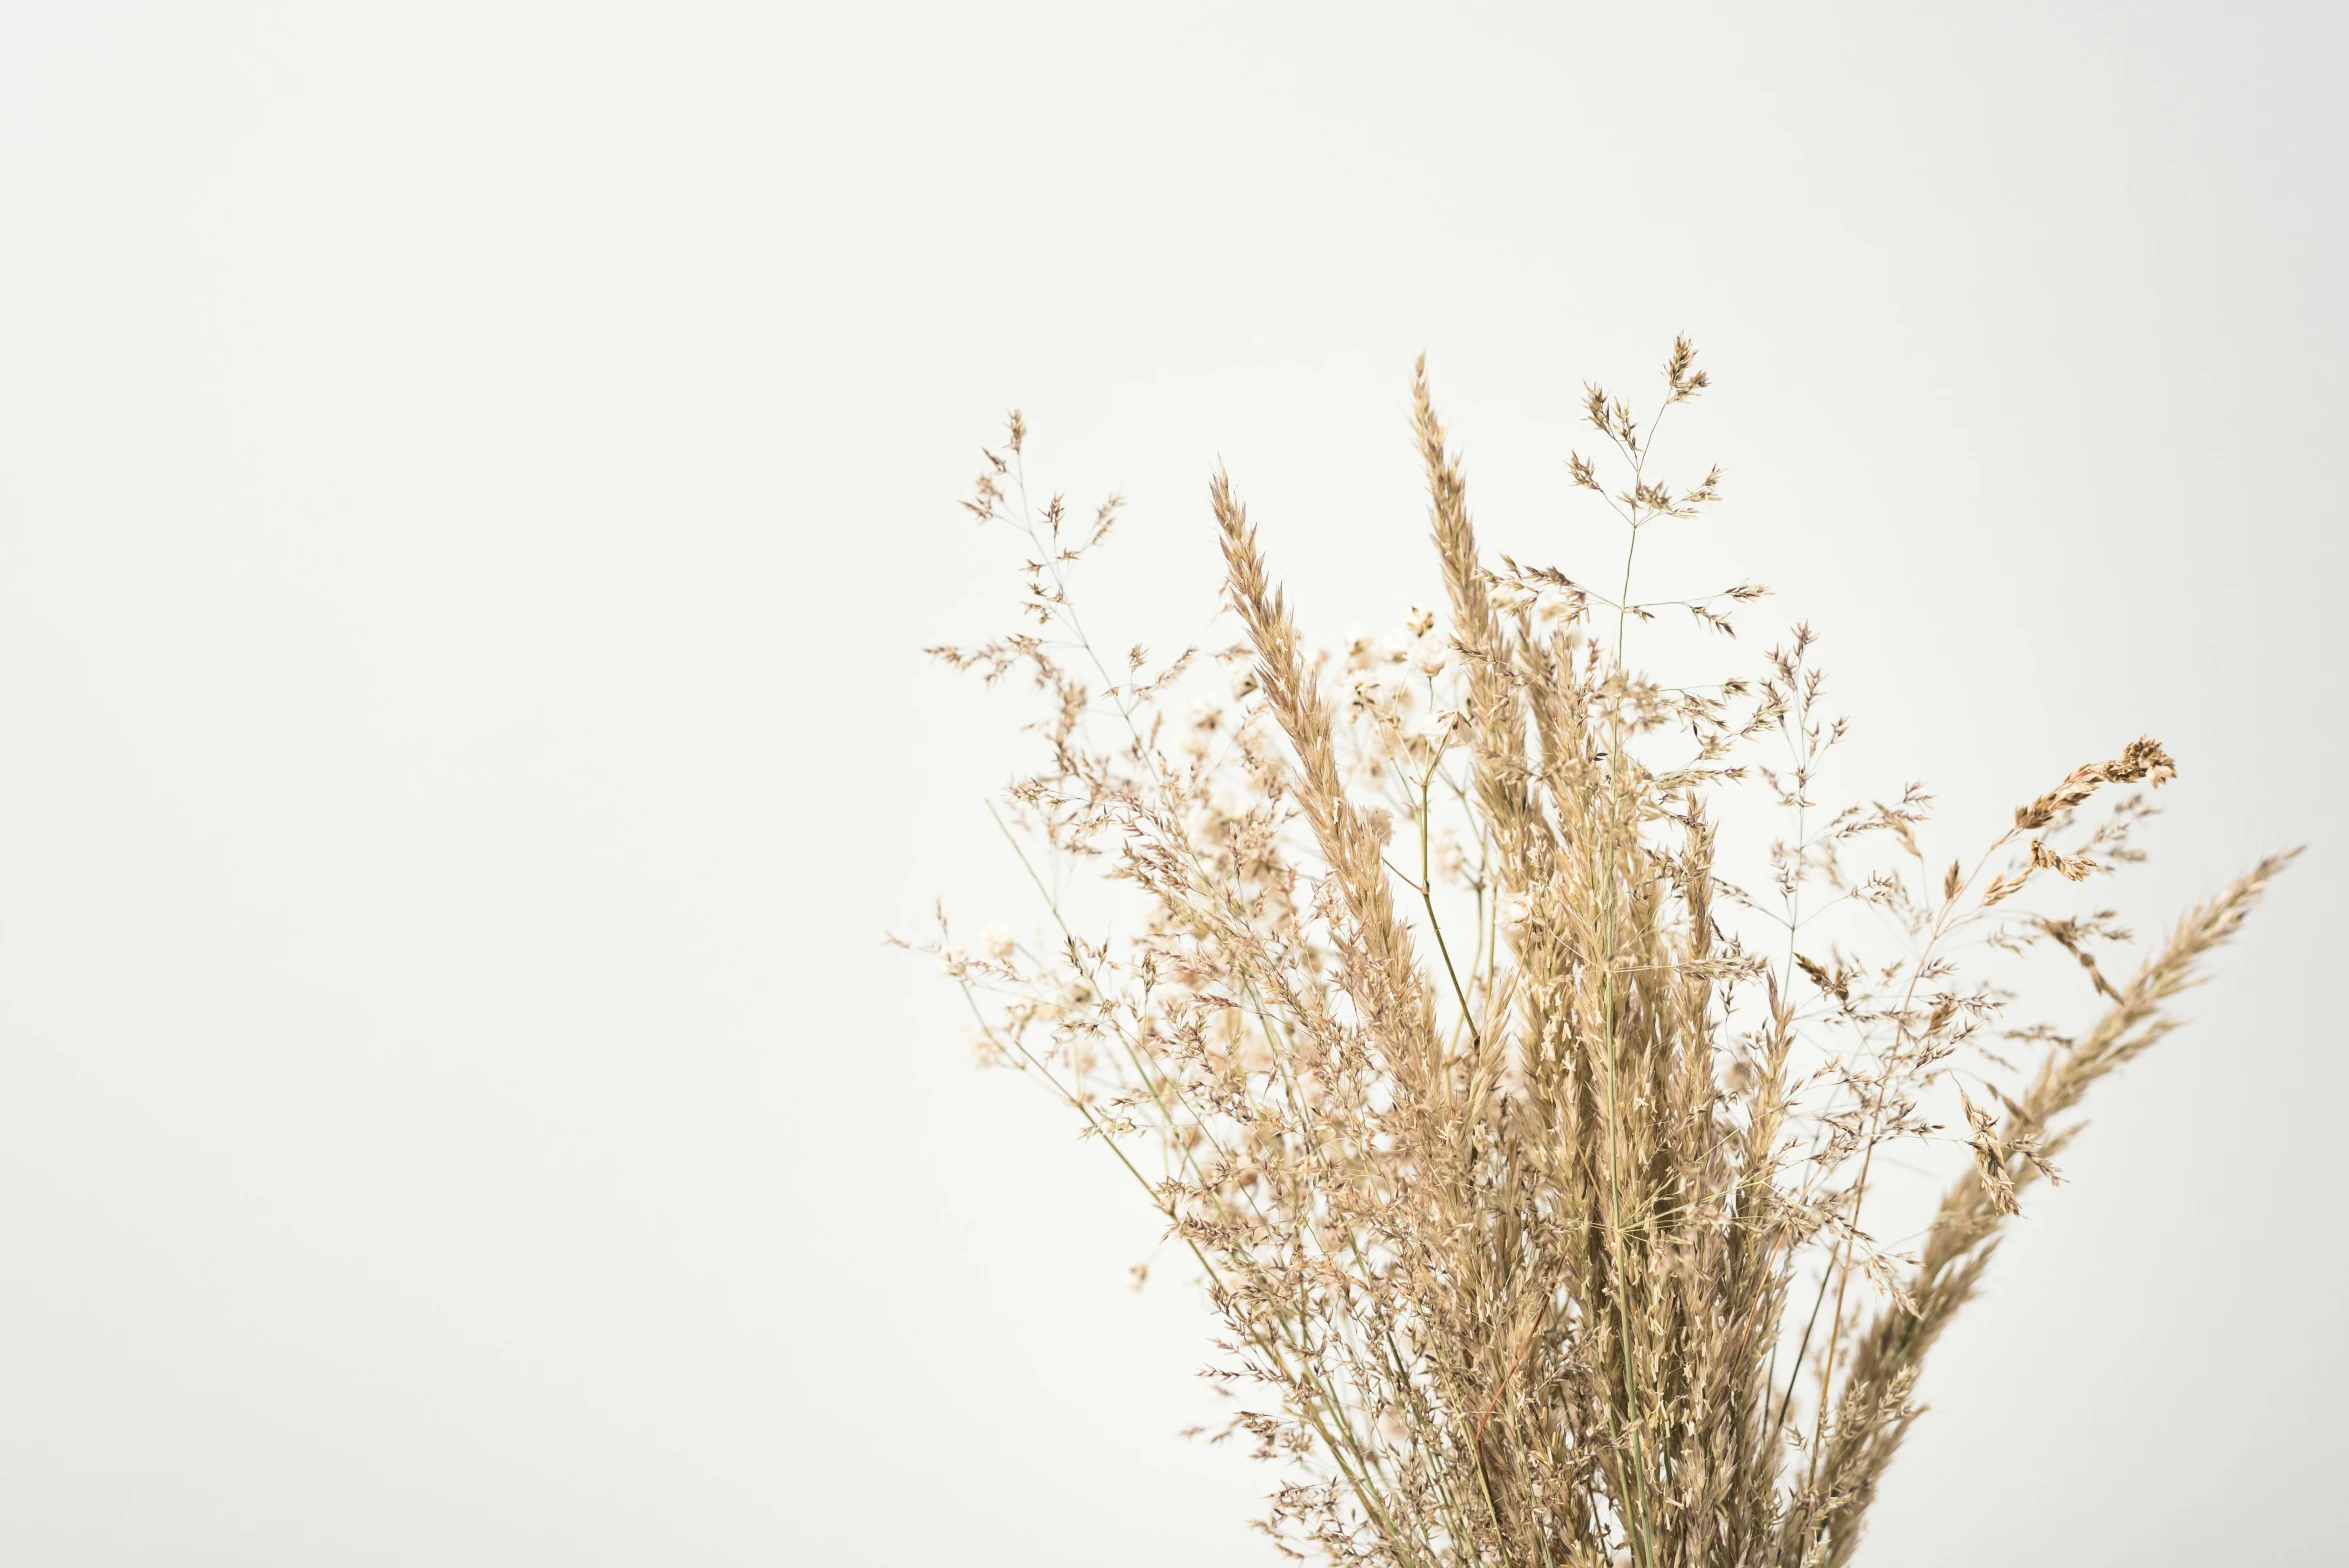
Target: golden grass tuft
(1533, 1203)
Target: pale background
(476, 481)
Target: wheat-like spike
(1394, 991)
(1964, 1233)
(1497, 723)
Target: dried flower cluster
(1526, 1159)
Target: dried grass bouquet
(1533, 1168)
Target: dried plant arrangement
(1533, 1166)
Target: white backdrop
(477, 481)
